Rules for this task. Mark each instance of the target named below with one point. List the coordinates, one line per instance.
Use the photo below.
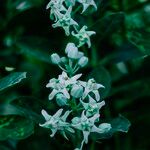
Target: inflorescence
(80, 101)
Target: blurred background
(119, 59)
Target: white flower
(91, 86)
(84, 36)
(87, 3)
(86, 125)
(56, 7)
(65, 21)
(56, 122)
(60, 85)
(92, 107)
(67, 80)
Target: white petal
(86, 92)
(65, 92)
(52, 94)
(97, 95)
(64, 117)
(86, 135)
(76, 77)
(58, 113)
(100, 86)
(92, 119)
(91, 100)
(45, 115)
(101, 104)
(53, 132)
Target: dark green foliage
(119, 59)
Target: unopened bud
(77, 91)
(83, 61)
(61, 100)
(72, 51)
(105, 127)
(64, 60)
(55, 58)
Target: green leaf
(11, 80)
(108, 24)
(15, 127)
(8, 109)
(119, 124)
(141, 41)
(37, 50)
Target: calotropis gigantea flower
(56, 7)
(84, 36)
(56, 122)
(60, 85)
(91, 86)
(67, 80)
(87, 3)
(65, 21)
(92, 107)
(86, 125)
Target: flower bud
(55, 58)
(105, 127)
(72, 51)
(77, 91)
(75, 120)
(61, 100)
(83, 61)
(64, 60)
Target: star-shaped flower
(65, 21)
(56, 7)
(56, 122)
(63, 78)
(91, 86)
(86, 125)
(84, 36)
(87, 3)
(61, 84)
(58, 87)
(92, 107)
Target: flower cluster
(75, 95)
(73, 61)
(61, 13)
(78, 99)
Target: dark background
(119, 59)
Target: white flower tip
(43, 112)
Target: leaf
(141, 41)
(15, 127)
(127, 51)
(108, 24)
(8, 109)
(102, 76)
(119, 124)
(37, 50)
(11, 80)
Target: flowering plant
(79, 100)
